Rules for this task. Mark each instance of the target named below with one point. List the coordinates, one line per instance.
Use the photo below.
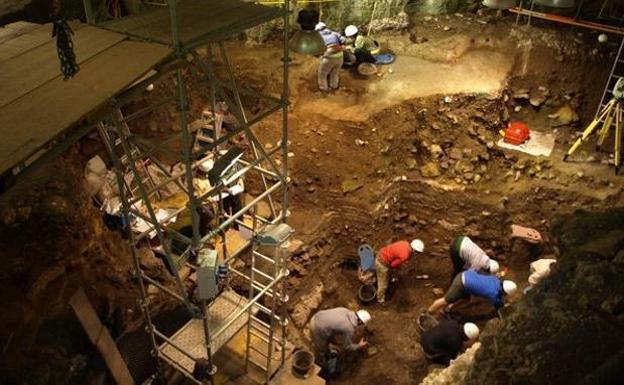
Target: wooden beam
(100, 337)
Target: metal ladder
(266, 326)
(617, 71)
(107, 134)
(204, 132)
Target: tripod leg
(604, 131)
(603, 114)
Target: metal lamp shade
(307, 42)
(500, 4)
(556, 3)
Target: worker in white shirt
(466, 255)
(539, 270)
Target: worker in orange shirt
(393, 256)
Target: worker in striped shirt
(393, 256)
(466, 255)
(328, 75)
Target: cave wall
(53, 242)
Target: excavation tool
(610, 115)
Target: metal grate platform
(191, 339)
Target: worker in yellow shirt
(359, 46)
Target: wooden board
(31, 69)
(100, 337)
(19, 44)
(209, 20)
(13, 30)
(30, 122)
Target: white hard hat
(417, 245)
(471, 330)
(351, 30)
(319, 26)
(603, 38)
(493, 266)
(509, 287)
(363, 315)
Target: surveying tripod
(611, 114)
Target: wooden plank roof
(37, 105)
(200, 21)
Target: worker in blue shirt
(471, 282)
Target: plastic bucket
(302, 362)
(367, 293)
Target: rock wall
(360, 12)
(456, 372)
(53, 241)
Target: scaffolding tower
(178, 190)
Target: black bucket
(367, 293)
(302, 362)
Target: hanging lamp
(306, 40)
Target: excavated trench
(409, 209)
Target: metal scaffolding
(262, 238)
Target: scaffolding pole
(266, 287)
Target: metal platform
(203, 21)
(191, 336)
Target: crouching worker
(393, 256)
(336, 326)
(446, 340)
(359, 47)
(466, 255)
(470, 283)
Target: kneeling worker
(445, 341)
(336, 326)
(471, 282)
(466, 255)
(393, 256)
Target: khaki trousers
(329, 68)
(382, 280)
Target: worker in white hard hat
(360, 46)
(337, 326)
(443, 342)
(539, 270)
(466, 255)
(393, 257)
(471, 282)
(328, 75)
